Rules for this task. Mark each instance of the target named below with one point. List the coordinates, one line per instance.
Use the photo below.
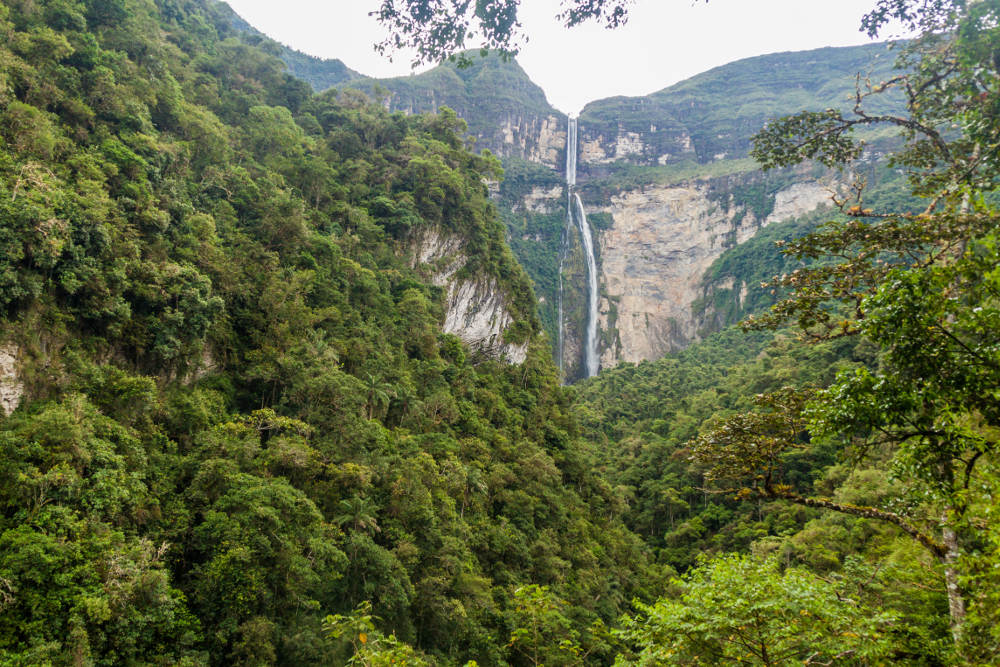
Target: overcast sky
(664, 42)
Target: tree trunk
(956, 603)
(949, 557)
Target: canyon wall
(476, 308)
(654, 256)
(666, 176)
(11, 387)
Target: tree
(436, 29)
(365, 645)
(358, 514)
(542, 634)
(746, 455)
(922, 286)
(737, 609)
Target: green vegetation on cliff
(234, 431)
(503, 108)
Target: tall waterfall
(590, 349)
(562, 334)
(571, 153)
(575, 212)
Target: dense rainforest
(241, 415)
(234, 430)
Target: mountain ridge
(639, 158)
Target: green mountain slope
(236, 411)
(721, 109)
(506, 111)
(320, 73)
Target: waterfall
(590, 351)
(562, 334)
(571, 153)
(575, 212)
(570, 181)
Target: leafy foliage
(906, 283)
(437, 29)
(738, 608)
(240, 413)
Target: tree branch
(935, 547)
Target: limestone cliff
(650, 144)
(476, 307)
(506, 112)
(540, 200)
(532, 138)
(11, 387)
(661, 242)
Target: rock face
(541, 200)
(11, 387)
(536, 139)
(476, 308)
(798, 199)
(661, 242)
(651, 146)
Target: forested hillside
(236, 412)
(846, 438)
(234, 430)
(694, 136)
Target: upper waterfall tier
(571, 152)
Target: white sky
(664, 42)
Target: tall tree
(921, 285)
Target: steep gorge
(653, 258)
(665, 178)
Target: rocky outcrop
(654, 146)
(477, 313)
(541, 200)
(798, 199)
(476, 307)
(537, 139)
(661, 242)
(11, 387)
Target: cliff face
(650, 170)
(653, 258)
(11, 387)
(506, 112)
(533, 138)
(630, 134)
(477, 310)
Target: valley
(303, 367)
(668, 175)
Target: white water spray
(590, 349)
(575, 212)
(571, 153)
